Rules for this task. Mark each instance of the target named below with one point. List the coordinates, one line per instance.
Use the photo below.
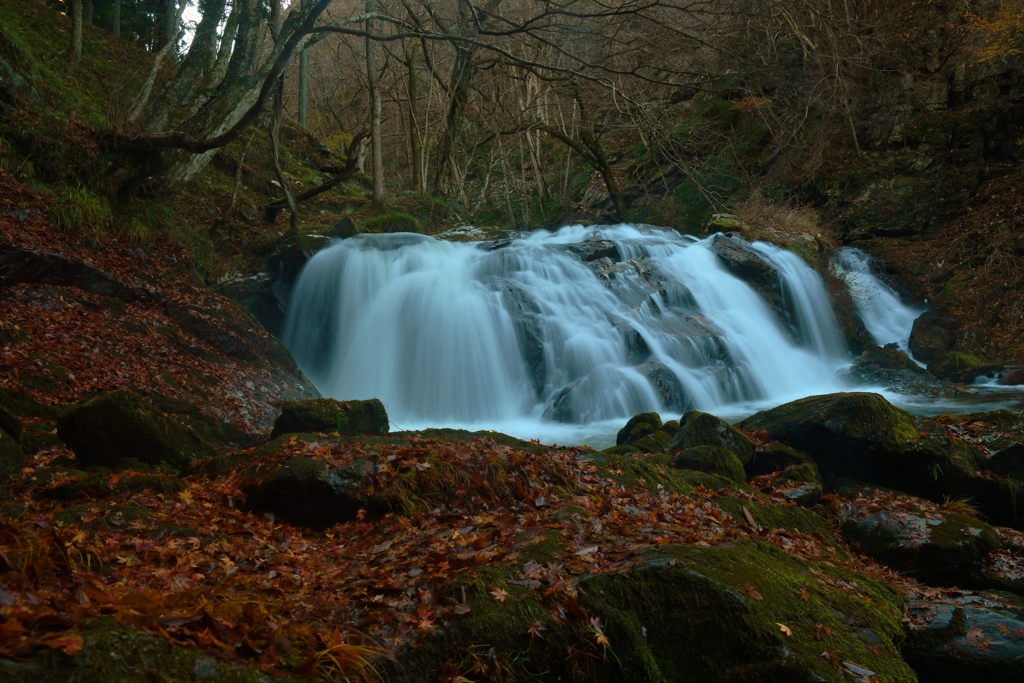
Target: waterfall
(553, 332)
(887, 319)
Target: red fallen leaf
(536, 630)
(752, 592)
(69, 643)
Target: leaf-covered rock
(914, 536)
(120, 425)
(11, 457)
(10, 423)
(327, 415)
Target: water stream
(561, 336)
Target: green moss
(541, 546)
(703, 429)
(348, 418)
(11, 457)
(711, 459)
(708, 480)
(642, 471)
(115, 652)
(774, 516)
(391, 222)
(710, 613)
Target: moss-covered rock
(772, 515)
(915, 537)
(99, 486)
(703, 429)
(114, 652)
(960, 366)
(713, 459)
(310, 493)
(328, 415)
(638, 426)
(684, 614)
(118, 425)
(888, 359)
(24, 405)
(774, 457)
(10, 423)
(11, 457)
(391, 222)
(862, 436)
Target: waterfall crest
(579, 327)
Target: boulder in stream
(931, 336)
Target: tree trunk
(304, 88)
(170, 22)
(116, 22)
(462, 76)
(415, 143)
(75, 49)
(87, 11)
(376, 147)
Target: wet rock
(931, 336)
(345, 228)
(775, 457)
(1007, 462)
(289, 260)
(703, 429)
(960, 366)
(637, 350)
(1013, 377)
(752, 268)
(657, 442)
(310, 493)
(965, 637)
(665, 382)
(562, 407)
(328, 415)
(255, 293)
(917, 537)
(525, 316)
(592, 250)
(121, 425)
(886, 358)
(713, 459)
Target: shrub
(391, 222)
(81, 214)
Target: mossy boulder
(774, 457)
(328, 415)
(703, 429)
(10, 423)
(11, 457)
(875, 356)
(929, 544)
(960, 366)
(24, 405)
(713, 459)
(862, 436)
(120, 425)
(638, 426)
(770, 515)
(967, 638)
(309, 492)
(391, 222)
(699, 615)
(98, 486)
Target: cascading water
(887, 319)
(559, 336)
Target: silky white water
(887, 319)
(527, 338)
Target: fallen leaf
(752, 592)
(499, 594)
(785, 629)
(536, 630)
